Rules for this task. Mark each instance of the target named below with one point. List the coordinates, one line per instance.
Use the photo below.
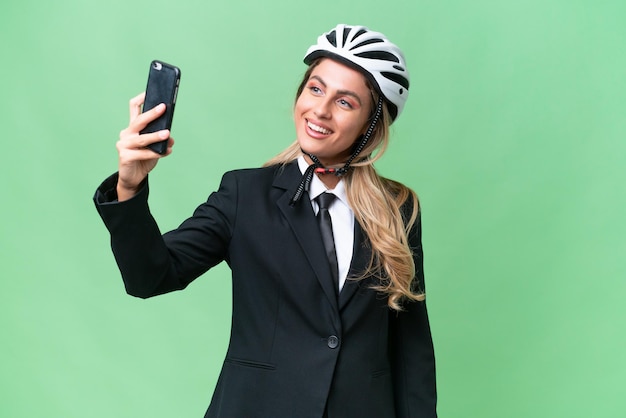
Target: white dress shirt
(342, 219)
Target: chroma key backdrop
(513, 136)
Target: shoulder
(258, 173)
(261, 179)
(244, 176)
(251, 172)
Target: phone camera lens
(157, 66)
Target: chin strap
(319, 168)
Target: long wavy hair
(377, 202)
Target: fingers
(143, 119)
(132, 140)
(139, 119)
(136, 160)
(170, 145)
(131, 137)
(130, 153)
(135, 105)
(130, 157)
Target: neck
(330, 180)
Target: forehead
(340, 77)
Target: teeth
(319, 129)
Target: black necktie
(326, 228)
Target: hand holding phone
(163, 82)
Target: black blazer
(296, 350)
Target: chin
(310, 146)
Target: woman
(329, 318)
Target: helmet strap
(364, 139)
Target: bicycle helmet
(370, 53)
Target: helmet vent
(397, 67)
(359, 33)
(367, 42)
(346, 32)
(378, 55)
(397, 78)
(332, 38)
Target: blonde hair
(377, 202)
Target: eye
(345, 103)
(316, 90)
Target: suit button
(333, 341)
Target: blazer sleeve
(411, 347)
(151, 263)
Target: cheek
(301, 105)
(358, 126)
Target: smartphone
(163, 82)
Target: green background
(513, 138)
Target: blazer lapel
(302, 220)
(361, 255)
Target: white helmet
(371, 53)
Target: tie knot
(325, 200)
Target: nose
(322, 109)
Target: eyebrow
(341, 92)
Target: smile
(317, 128)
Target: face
(332, 111)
